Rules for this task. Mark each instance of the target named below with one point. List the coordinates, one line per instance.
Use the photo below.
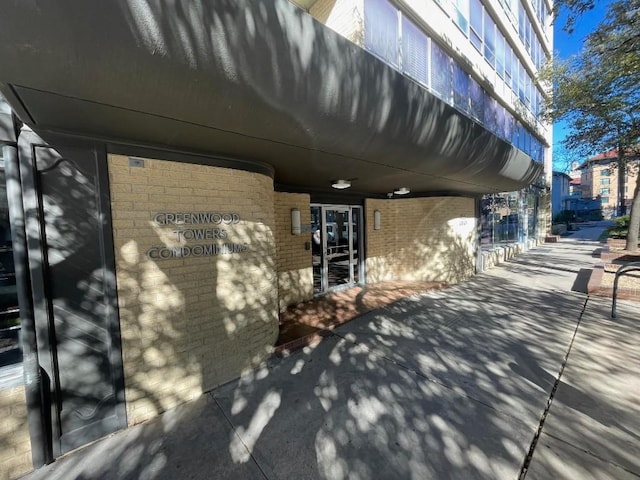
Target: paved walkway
(513, 374)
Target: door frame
(354, 264)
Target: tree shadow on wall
(186, 324)
(440, 250)
(276, 101)
(446, 385)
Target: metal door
(73, 281)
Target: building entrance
(337, 246)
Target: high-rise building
(180, 172)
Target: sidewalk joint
(235, 432)
(545, 413)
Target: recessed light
(341, 184)
(402, 191)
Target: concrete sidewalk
(513, 374)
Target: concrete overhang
(258, 80)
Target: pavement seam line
(235, 432)
(536, 437)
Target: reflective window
(477, 101)
(381, 32)
(414, 52)
(489, 40)
(490, 114)
(501, 116)
(521, 82)
(509, 126)
(460, 88)
(500, 42)
(10, 348)
(522, 21)
(440, 72)
(405, 46)
(461, 14)
(509, 217)
(475, 34)
(508, 65)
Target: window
(522, 21)
(460, 88)
(501, 119)
(515, 133)
(604, 199)
(605, 181)
(528, 92)
(527, 35)
(509, 126)
(508, 68)
(526, 143)
(521, 83)
(461, 14)
(500, 54)
(477, 100)
(441, 72)
(605, 172)
(534, 100)
(489, 39)
(604, 191)
(414, 52)
(490, 113)
(10, 352)
(402, 44)
(475, 34)
(381, 30)
(515, 73)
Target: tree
(597, 92)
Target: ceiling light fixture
(341, 184)
(402, 191)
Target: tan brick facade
(15, 448)
(427, 239)
(295, 272)
(345, 17)
(192, 322)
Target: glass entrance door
(335, 240)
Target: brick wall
(194, 322)
(293, 262)
(15, 447)
(429, 239)
(345, 17)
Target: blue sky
(566, 45)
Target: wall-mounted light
(295, 221)
(376, 219)
(401, 191)
(341, 184)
